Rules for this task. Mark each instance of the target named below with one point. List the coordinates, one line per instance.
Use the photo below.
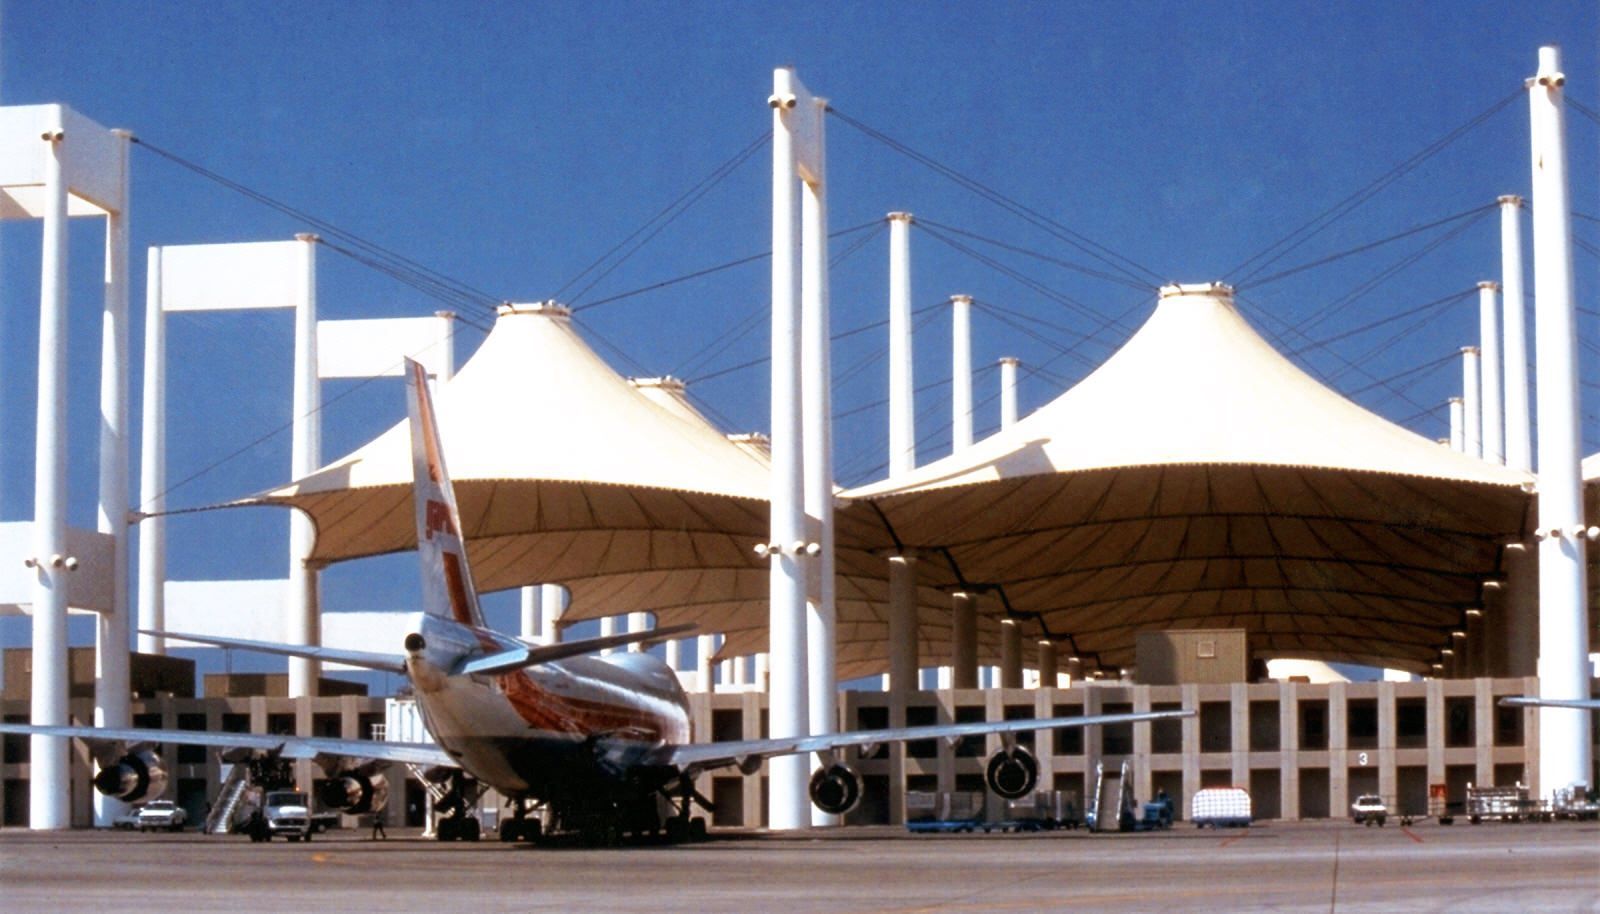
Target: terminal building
(1196, 507)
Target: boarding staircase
(234, 786)
(1113, 807)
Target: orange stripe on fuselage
(585, 717)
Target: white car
(162, 815)
(1369, 809)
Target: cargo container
(1221, 807)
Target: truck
(283, 813)
(162, 815)
(1369, 810)
(1157, 814)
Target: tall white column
(637, 622)
(447, 344)
(112, 685)
(1519, 437)
(672, 648)
(1494, 444)
(705, 647)
(531, 606)
(1008, 392)
(788, 715)
(817, 429)
(50, 786)
(153, 464)
(1458, 422)
(902, 416)
(1047, 665)
(964, 640)
(1471, 404)
(608, 627)
(303, 616)
(552, 604)
(961, 372)
(1010, 654)
(903, 659)
(1564, 749)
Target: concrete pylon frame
(251, 275)
(56, 164)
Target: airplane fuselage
(577, 724)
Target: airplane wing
(697, 757)
(370, 660)
(287, 746)
(1527, 701)
(522, 654)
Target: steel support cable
(1383, 275)
(1586, 246)
(721, 344)
(708, 271)
(634, 366)
(676, 209)
(1436, 303)
(1419, 369)
(1316, 225)
(1318, 373)
(998, 310)
(396, 260)
(1424, 413)
(1362, 249)
(407, 277)
(1399, 337)
(1024, 279)
(846, 334)
(403, 276)
(1036, 255)
(1082, 242)
(1582, 109)
(1034, 334)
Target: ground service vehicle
(162, 815)
(1369, 809)
(283, 814)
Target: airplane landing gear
(520, 828)
(456, 824)
(685, 826)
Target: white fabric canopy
(1200, 479)
(623, 492)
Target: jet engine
(135, 776)
(357, 791)
(835, 788)
(1012, 772)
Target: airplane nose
(415, 643)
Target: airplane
(603, 743)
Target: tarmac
(1320, 866)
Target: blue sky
(509, 145)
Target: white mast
(1564, 749)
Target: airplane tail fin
(447, 588)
